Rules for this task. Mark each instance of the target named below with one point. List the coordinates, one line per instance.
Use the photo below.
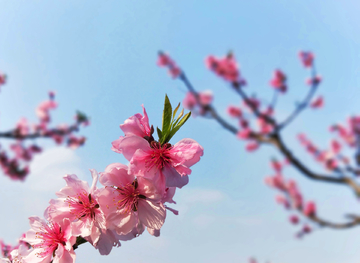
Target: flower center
(128, 197)
(51, 236)
(82, 205)
(159, 155)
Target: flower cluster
(166, 61)
(133, 198)
(16, 165)
(291, 197)
(190, 101)
(226, 68)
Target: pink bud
(317, 103)
(234, 111)
(310, 209)
(294, 219)
(306, 58)
(252, 146)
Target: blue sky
(99, 56)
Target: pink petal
(151, 214)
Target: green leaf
(174, 130)
(159, 133)
(178, 118)
(176, 109)
(167, 114)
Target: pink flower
(42, 111)
(79, 203)
(281, 200)
(310, 209)
(136, 125)
(252, 146)
(206, 97)
(130, 201)
(189, 101)
(306, 58)
(335, 146)
(317, 103)
(276, 181)
(3, 78)
(244, 134)
(165, 163)
(234, 111)
(75, 142)
(279, 81)
(225, 67)
(51, 241)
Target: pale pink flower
(136, 125)
(42, 111)
(79, 203)
(51, 241)
(206, 97)
(22, 127)
(161, 163)
(130, 201)
(18, 254)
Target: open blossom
(51, 241)
(79, 203)
(306, 58)
(278, 81)
(131, 201)
(162, 163)
(225, 67)
(136, 125)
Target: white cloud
(48, 169)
